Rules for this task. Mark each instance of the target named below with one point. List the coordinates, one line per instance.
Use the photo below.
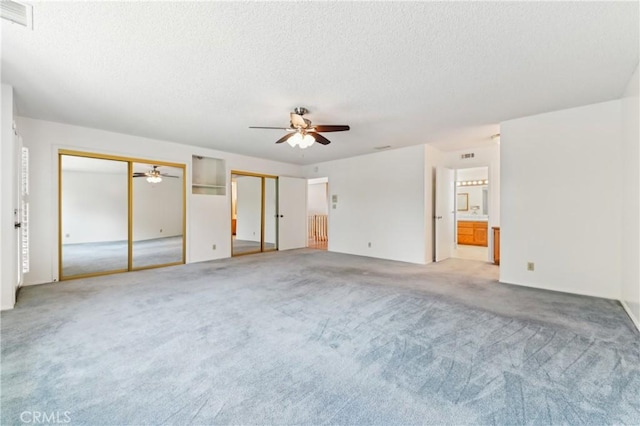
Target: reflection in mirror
(270, 213)
(472, 193)
(248, 212)
(157, 236)
(94, 215)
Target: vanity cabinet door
(480, 235)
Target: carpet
(314, 337)
(85, 258)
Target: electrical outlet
(334, 206)
(67, 235)
(213, 247)
(531, 266)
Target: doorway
(472, 214)
(318, 213)
(254, 213)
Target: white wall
(381, 199)
(473, 173)
(630, 287)
(561, 200)
(317, 199)
(8, 251)
(208, 220)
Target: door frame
(490, 241)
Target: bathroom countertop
(474, 218)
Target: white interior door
(21, 210)
(444, 213)
(292, 213)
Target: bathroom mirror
(463, 202)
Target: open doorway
(472, 214)
(317, 213)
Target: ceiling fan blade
(321, 139)
(331, 127)
(276, 128)
(168, 175)
(298, 121)
(138, 174)
(285, 137)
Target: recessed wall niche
(208, 176)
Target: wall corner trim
(636, 321)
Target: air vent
(18, 13)
(468, 155)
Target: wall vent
(18, 13)
(466, 156)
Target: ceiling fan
(153, 175)
(302, 132)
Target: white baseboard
(636, 321)
(6, 307)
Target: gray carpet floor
(85, 258)
(314, 337)
(246, 246)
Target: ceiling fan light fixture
(306, 141)
(154, 179)
(295, 140)
(302, 128)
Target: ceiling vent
(466, 156)
(18, 13)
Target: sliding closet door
(248, 204)
(157, 236)
(117, 214)
(93, 216)
(254, 224)
(270, 214)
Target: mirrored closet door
(158, 215)
(119, 214)
(94, 220)
(254, 213)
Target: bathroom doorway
(472, 214)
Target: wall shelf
(208, 176)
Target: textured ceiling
(400, 73)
